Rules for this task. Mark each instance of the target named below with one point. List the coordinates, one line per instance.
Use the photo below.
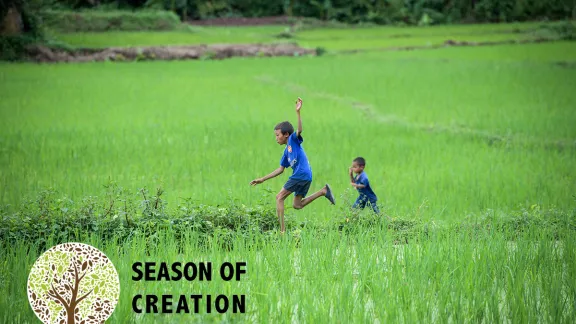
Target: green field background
(457, 129)
(450, 135)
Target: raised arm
(274, 173)
(298, 107)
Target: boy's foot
(329, 195)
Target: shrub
(97, 21)
(13, 48)
(120, 215)
(565, 30)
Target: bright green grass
(331, 39)
(193, 36)
(204, 129)
(419, 41)
(413, 31)
(383, 37)
(554, 52)
(386, 37)
(488, 89)
(329, 277)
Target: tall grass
(330, 38)
(470, 276)
(183, 36)
(441, 140)
(455, 141)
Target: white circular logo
(73, 283)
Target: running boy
(301, 178)
(362, 184)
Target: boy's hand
(256, 181)
(350, 171)
(354, 185)
(298, 104)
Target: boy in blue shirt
(301, 178)
(362, 184)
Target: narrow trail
(370, 112)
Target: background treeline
(348, 11)
(374, 11)
(24, 21)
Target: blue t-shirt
(362, 179)
(295, 158)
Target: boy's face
(357, 168)
(281, 138)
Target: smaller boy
(362, 184)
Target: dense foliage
(118, 216)
(100, 21)
(12, 46)
(355, 11)
(106, 15)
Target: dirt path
(214, 51)
(39, 53)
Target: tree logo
(73, 283)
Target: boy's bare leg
(300, 203)
(280, 197)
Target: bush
(564, 30)
(97, 21)
(13, 48)
(119, 215)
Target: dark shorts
(362, 201)
(298, 187)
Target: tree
(73, 283)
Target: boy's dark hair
(360, 161)
(285, 127)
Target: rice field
(351, 278)
(333, 39)
(461, 135)
(449, 135)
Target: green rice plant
(337, 276)
(477, 132)
(470, 151)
